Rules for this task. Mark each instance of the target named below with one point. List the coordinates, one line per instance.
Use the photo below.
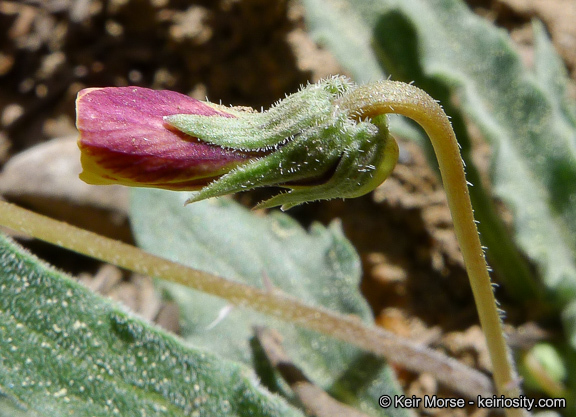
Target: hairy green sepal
(305, 143)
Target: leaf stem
(417, 358)
(396, 97)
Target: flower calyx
(305, 143)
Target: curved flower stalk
(329, 140)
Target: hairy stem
(404, 99)
(417, 358)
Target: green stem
(414, 357)
(404, 99)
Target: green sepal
(365, 163)
(307, 158)
(305, 143)
(346, 159)
(261, 131)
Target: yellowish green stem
(350, 329)
(404, 99)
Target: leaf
(339, 28)
(10, 409)
(558, 17)
(66, 351)
(318, 267)
(460, 58)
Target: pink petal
(124, 139)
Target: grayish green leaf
(318, 267)
(524, 113)
(9, 408)
(66, 351)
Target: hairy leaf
(473, 69)
(318, 267)
(66, 351)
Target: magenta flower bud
(125, 140)
(305, 143)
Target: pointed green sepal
(346, 159)
(366, 161)
(260, 131)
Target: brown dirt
(244, 52)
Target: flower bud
(124, 140)
(304, 143)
